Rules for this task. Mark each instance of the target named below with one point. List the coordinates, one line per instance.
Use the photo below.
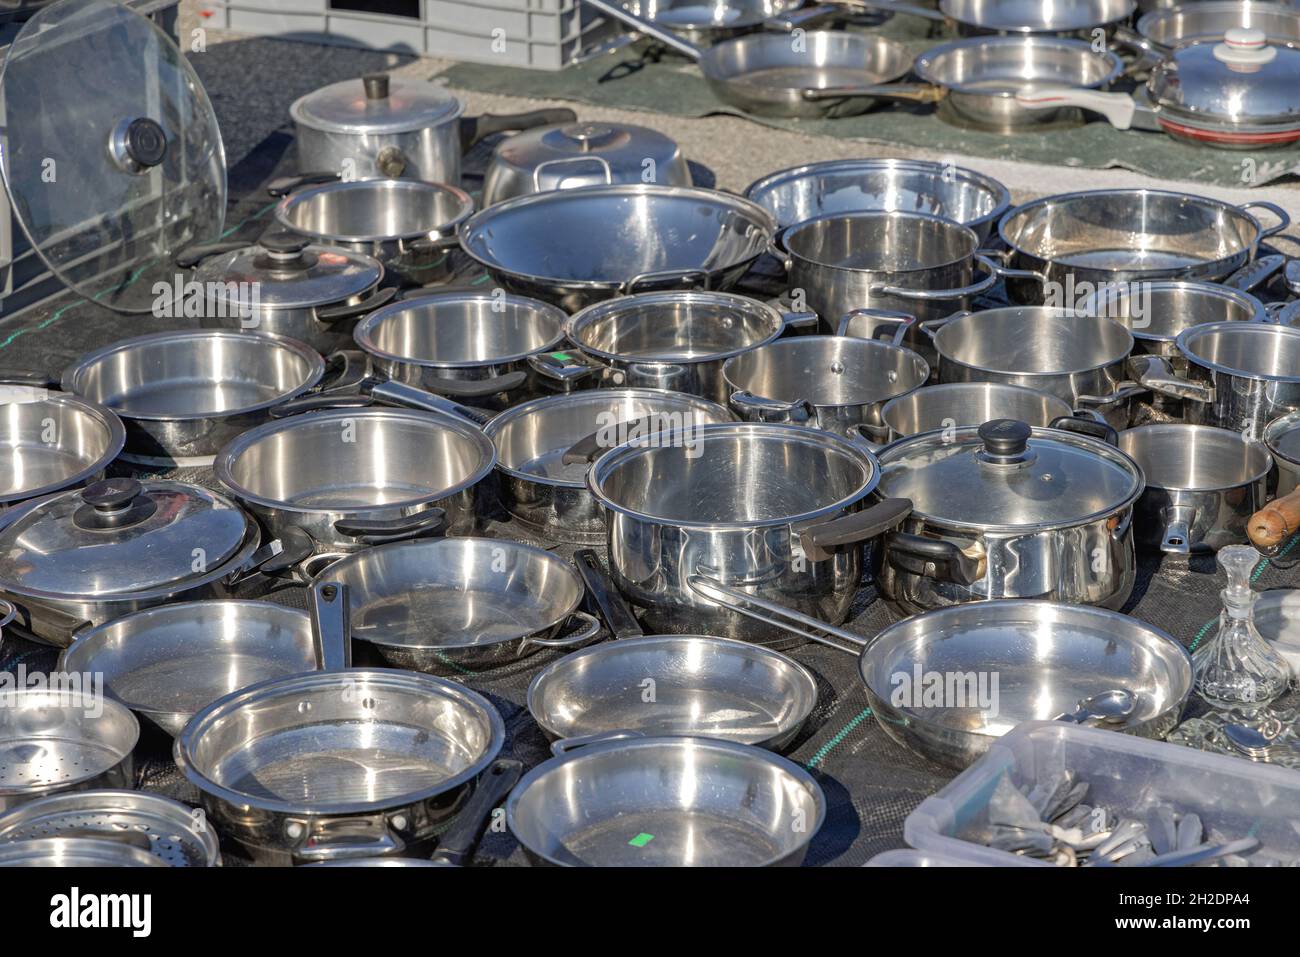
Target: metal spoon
(1107, 707)
(1254, 744)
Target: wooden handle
(1269, 527)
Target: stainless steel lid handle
(571, 161)
(331, 625)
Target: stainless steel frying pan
(768, 74)
(706, 23)
(1077, 18)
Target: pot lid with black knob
(286, 271)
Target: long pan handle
(331, 625)
(616, 612)
(777, 615)
(611, 8)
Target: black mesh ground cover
(871, 783)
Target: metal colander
(167, 829)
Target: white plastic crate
(533, 34)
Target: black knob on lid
(146, 143)
(284, 242)
(1005, 438)
(376, 85)
(113, 494)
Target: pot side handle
(359, 308)
(1118, 108)
(820, 540)
(918, 555)
(1283, 217)
(427, 523)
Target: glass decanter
(1237, 668)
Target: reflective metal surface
(185, 394)
(959, 404)
(1046, 656)
(1036, 16)
(706, 23)
(338, 763)
(666, 802)
(703, 687)
(407, 225)
(617, 240)
(833, 382)
(549, 495)
(1249, 374)
(453, 605)
(316, 471)
(1202, 485)
(172, 833)
(168, 663)
(1210, 19)
(75, 852)
(850, 186)
(53, 441)
(1283, 439)
(62, 740)
(1156, 312)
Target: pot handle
(337, 839)
(191, 256)
(360, 308)
(1255, 273)
(671, 277)
(1117, 108)
(331, 625)
(753, 408)
(65, 626)
(796, 19)
(1176, 537)
(590, 629)
(563, 367)
(457, 843)
(908, 92)
(319, 401)
(1089, 426)
(1283, 217)
(32, 380)
(562, 746)
(479, 388)
(1155, 373)
(426, 523)
(1275, 523)
(776, 247)
(286, 552)
(798, 320)
(820, 540)
(778, 616)
(409, 397)
(287, 184)
(876, 320)
(1146, 53)
(587, 448)
(611, 606)
(932, 558)
(473, 129)
(869, 436)
(984, 284)
(931, 327)
(1123, 390)
(996, 259)
(571, 161)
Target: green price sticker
(642, 839)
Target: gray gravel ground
(253, 80)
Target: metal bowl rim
(124, 714)
(464, 201)
(919, 395)
(1188, 335)
(116, 442)
(924, 61)
(1255, 446)
(1209, 290)
(969, 317)
(882, 214)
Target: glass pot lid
(112, 156)
(1006, 475)
(376, 103)
(120, 538)
(289, 272)
(1241, 80)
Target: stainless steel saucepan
(708, 23)
(1157, 312)
(1080, 18)
(960, 404)
(184, 394)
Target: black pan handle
(458, 842)
(932, 558)
(287, 184)
(36, 380)
(610, 606)
(479, 389)
(1085, 426)
(191, 256)
(587, 448)
(473, 129)
(428, 523)
(819, 541)
(296, 546)
(360, 308)
(324, 400)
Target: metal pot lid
(585, 153)
(120, 538)
(289, 272)
(1005, 475)
(376, 103)
(118, 164)
(1241, 80)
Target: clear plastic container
(1124, 773)
(906, 857)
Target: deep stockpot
(1009, 511)
(677, 513)
(677, 340)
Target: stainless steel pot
(53, 441)
(544, 452)
(1202, 485)
(182, 395)
(1029, 17)
(959, 404)
(395, 126)
(472, 346)
(408, 225)
(347, 478)
(1108, 237)
(832, 382)
(666, 802)
(676, 341)
(582, 154)
(457, 606)
(675, 512)
(727, 18)
(62, 739)
(617, 240)
(1157, 312)
(1165, 28)
(334, 764)
(287, 286)
(1282, 436)
(1008, 511)
(85, 557)
(912, 263)
(1240, 375)
(1079, 359)
(802, 193)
